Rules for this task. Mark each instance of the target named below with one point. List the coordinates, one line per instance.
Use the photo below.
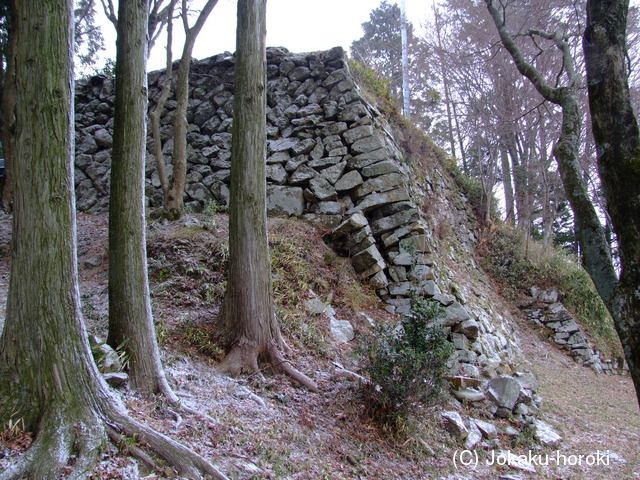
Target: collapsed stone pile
(545, 309)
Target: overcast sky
(298, 25)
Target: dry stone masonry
(332, 159)
(545, 309)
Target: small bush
(406, 363)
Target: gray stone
(303, 147)
(366, 258)
(381, 168)
(324, 162)
(284, 201)
(488, 430)
(546, 434)
(379, 184)
(281, 144)
(362, 160)
(421, 272)
(197, 191)
(294, 163)
(385, 224)
(327, 208)
(348, 181)
(103, 138)
(358, 133)
(397, 273)
(401, 288)
(351, 224)
(277, 173)
(379, 280)
(116, 379)
(353, 112)
(429, 288)
(469, 370)
(322, 189)
(455, 314)
(568, 327)
(106, 357)
(375, 200)
(415, 243)
(469, 328)
(334, 172)
(366, 145)
(527, 379)
(504, 391)
(404, 258)
(279, 157)
(302, 175)
(341, 330)
(548, 296)
(453, 424)
(474, 437)
(468, 395)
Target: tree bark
(130, 318)
(7, 121)
(596, 254)
(248, 315)
(48, 377)
(617, 138)
(175, 196)
(507, 185)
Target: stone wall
(332, 159)
(545, 309)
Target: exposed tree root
(245, 358)
(59, 438)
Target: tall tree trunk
(7, 120)
(445, 81)
(248, 314)
(507, 185)
(615, 130)
(130, 319)
(175, 197)
(596, 254)
(156, 112)
(47, 375)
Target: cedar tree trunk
(48, 378)
(130, 318)
(248, 313)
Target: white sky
(298, 25)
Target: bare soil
(268, 428)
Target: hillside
(366, 212)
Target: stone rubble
(545, 309)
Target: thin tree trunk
(445, 81)
(175, 197)
(156, 113)
(617, 138)
(47, 375)
(248, 315)
(507, 185)
(130, 318)
(7, 127)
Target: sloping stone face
(332, 160)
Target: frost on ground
(267, 428)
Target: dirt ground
(267, 428)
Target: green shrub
(406, 363)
